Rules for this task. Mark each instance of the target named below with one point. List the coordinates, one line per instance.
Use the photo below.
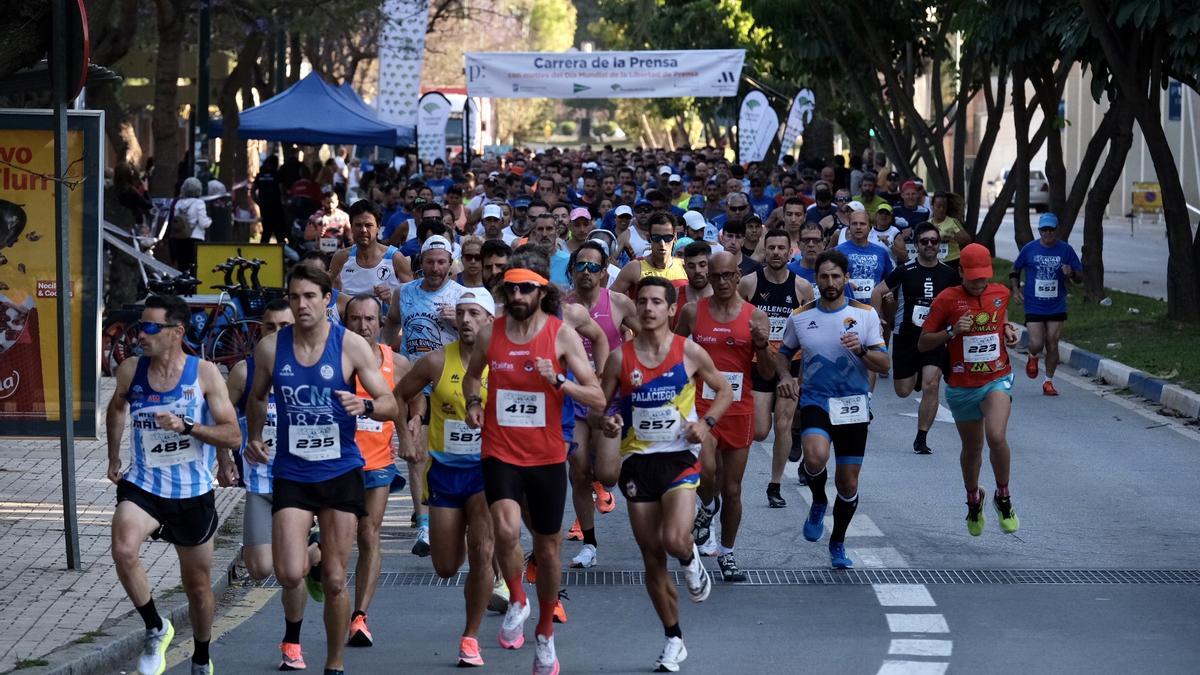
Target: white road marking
(943, 413)
(903, 595)
(912, 668)
(921, 647)
(917, 623)
(883, 557)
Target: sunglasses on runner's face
(153, 327)
(810, 240)
(524, 288)
(661, 238)
(929, 241)
(471, 257)
(589, 267)
(842, 200)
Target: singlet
(868, 266)
(602, 315)
(977, 356)
(655, 402)
(257, 476)
(374, 438)
(672, 272)
(164, 463)
(732, 351)
(916, 287)
(422, 324)
(637, 242)
(451, 441)
(315, 436)
(331, 310)
(359, 280)
(777, 301)
(832, 374)
(518, 423)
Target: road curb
(1117, 374)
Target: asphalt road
(1104, 487)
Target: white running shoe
(672, 655)
(698, 581)
(586, 557)
(421, 548)
(545, 660)
(153, 660)
(709, 548)
(499, 601)
(512, 631)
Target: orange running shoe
(575, 533)
(1048, 388)
(605, 502)
(468, 652)
(293, 658)
(530, 568)
(1031, 367)
(359, 635)
(560, 614)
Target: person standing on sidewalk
(179, 412)
(1049, 264)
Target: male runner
(811, 242)
(180, 412)
(695, 266)
(458, 512)
(660, 262)
(524, 455)
(1049, 264)
(973, 320)
(654, 375)
(318, 467)
(778, 292)
(734, 333)
(369, 266)
(839, 340)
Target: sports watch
(188, 425)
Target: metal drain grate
(832, 578)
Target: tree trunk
(1087, 169)
(1183, 284)
(1055, 169)
(1020, 168)
(1119, 120)
(818, 140)
(295, 58)
(233, 151)
(995, 115)
(117, 128)
(165, 123)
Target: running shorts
(542, 488)
(340, 493)
(646, 478)
(184, 522)
(379, 478)
(908, 361)
(849, 440)
(734, 432)
(1045, 318)
(451, 486)
(966, 403)
(256, 519)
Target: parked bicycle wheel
(234, 342)
(119, 341)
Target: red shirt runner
(522, 419)
(732, 351)
(977, 356)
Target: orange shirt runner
(374, 438)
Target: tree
(172, 23)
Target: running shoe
(838, 557)
(814, 525)
(729, 569)
(153, 660)
(512, 631)
(1031, 367)
(545, 660)
(975, 515)
(921, 448)
(797, 453)
(468, 652)
(605, 502)
(699, 583)
(560, 612)
(293, 658)
(702, 525)
(1048, 389)
(586, 557)
(1009, 522)
(203, 668)
(576, 532)
(801, 474)
(499, 601)
(421, 547)
(359, 635)
(673, 654)
(709, 548)
(412, 521)
(774, 499)
(312, 583)
(530, 568)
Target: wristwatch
(710, 421)
(950, 332)
(188, 425)
(559, 379)
(369, 405)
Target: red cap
(976, 262)
(910, 185)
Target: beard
(519, 310)
(831, 292)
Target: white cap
(437, 243)
(695, 220)
(591, 165)
(478, 296)
(856, 206)
(674, 178)
(664, 169)
(493, 211)
(623, 210)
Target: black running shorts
(340, 493)
(183, 522)
(542, 488)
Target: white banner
(648, 74)
(757, 126)
(799, 116)
(401, 54)
(433, 112)
(473, 128)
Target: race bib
(460, 439)
(164, 448)
(657, 424)
(849, 410)
(735, 383)
(369, 425)
(981, 348)
(862, 288)
(1045, 288)
(943, 250)
(778, 325)
(329, 244)
(526, 409)
(920, 312)
(315, 443)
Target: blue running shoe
(838, 557)
(814, 527)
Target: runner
(524, 457)
(869, 263)
(812, 243)
(179, 412)
(368, 266)
(778, 292)
(734, 333)
(973, 320)
(318, 466)
(611, 311)
(695, 266)
(471, 275)
(256, 515)
(1051, 263)
(918, 282)
(660, 435)
(660, 262)
(458, 512)
(839, 340)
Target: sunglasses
(842, 200)
(469, 257)
(738, 209)
(929, 241)
(153, 327)
(661, 238)
(589, 267)
(724, 276)
(643, 209)
(810, 240)
(522, 288)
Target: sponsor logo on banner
(757, 126)
(401, 56)
(799, 116)
(431, 126)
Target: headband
(518, 275)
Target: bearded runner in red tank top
(733, 332)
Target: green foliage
(567, 128)
(604, 129)
(552, 25)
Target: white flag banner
(646, 74)
(757, 126)
(401, 54)
(433, 112)
(799, 117)
(473, 130)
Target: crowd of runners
(586, 322)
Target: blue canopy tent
(312, 112)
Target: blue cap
(696, 202)
(519, 203)
(642, 202)
(1048, 221)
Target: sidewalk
(44, 605)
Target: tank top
(732, 351)
(602, 315)
(315, 436)
(357, 280)
(451, 441)
(516, 428)
(422, 325)
(777, 301)
(637, 242)
(164, 463)
(374, 438)
(655, 402)
(257, 476)
(673, 271)
(331, 310)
